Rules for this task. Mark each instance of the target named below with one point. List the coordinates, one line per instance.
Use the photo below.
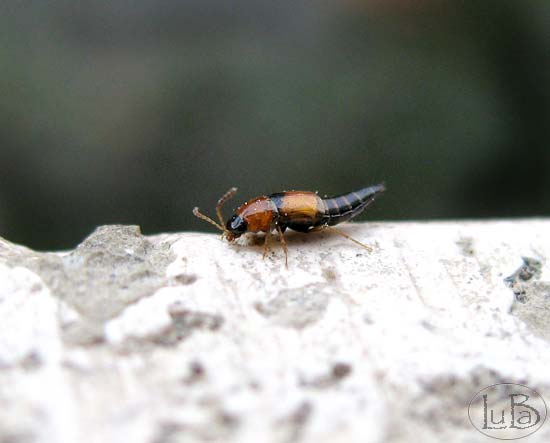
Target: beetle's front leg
(283, 243)
(266, 243)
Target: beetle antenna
(227, 196)
(200, 215)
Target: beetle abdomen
(346, 206)
(298, 210)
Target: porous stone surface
(185, 338)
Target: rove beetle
(300, 211)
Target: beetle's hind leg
(343, 234)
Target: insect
(300, 211)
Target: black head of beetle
(236, 226)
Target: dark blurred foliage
(134, 112)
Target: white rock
(184, 337)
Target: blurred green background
(134, 112)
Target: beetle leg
(283, 243)
(266, 243)
(333, 229)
